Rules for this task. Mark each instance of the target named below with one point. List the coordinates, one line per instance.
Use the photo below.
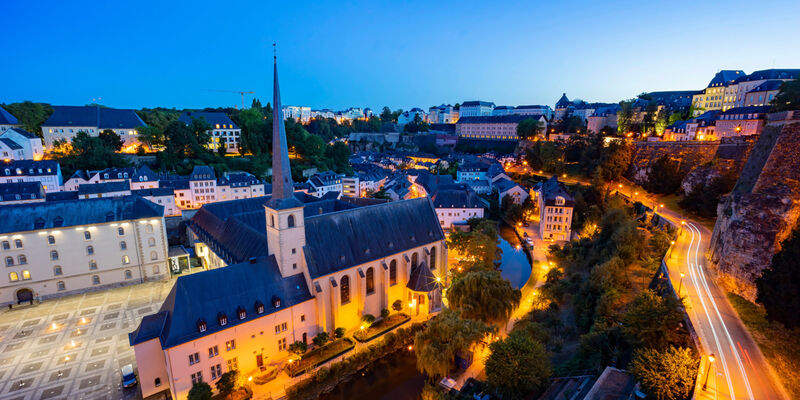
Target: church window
(393, 273)
(291, 221)
(433, 257)
(370, 280)
(414, 260)
(344, 289)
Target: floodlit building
(443, 114)
(19, 144)
(555, 209)
(475, 109)
(67, 121)
(741, 121)
(47, 172)
(297, 113)
(491, 127)
(226, 136)
(283, 269)
(455, 204)
(51, 249)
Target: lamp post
(682, 224)
(680, 284)
(710, 364)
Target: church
(283, 268)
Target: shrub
(385, 313)
(298, 347)
(200, 391)
(227, 382)
(321, 338)
(397, 305)
(367, 320)
(339, 333)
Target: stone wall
(690, 155)
(761, 211)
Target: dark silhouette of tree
(779, 284)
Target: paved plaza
(73, 347)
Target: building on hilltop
(298, 113)
(67, 121)
(475, 109)
(52, 249)
(7, 121)
(226, 136)
(282, 269)
(555, 209)
(502, 127)
(534, 111)
(443, 114)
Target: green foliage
(652, 321)
(321, 338)
(416, 125)
(517, 366)
(298, 347)
(625, 118)
(385, 313)
(779, 284)
(446, 335)
(665, 374)
(367, 320)
(86, 152)
(200, 391)
(31, 115)
(227, 382)
(529, 128)
(339, 332)
(158, 118)
(574, 124)
(397, 305)
(665, 176)
(546, 155)
(484, 295)
(479, 245)
(111, 139)
(705, 196)
(787, 99)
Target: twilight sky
(337, 54)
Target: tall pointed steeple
(282, 185)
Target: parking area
(74, 347)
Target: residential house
(226, 136)
(7, 121)
(325, 182)
(46, 172)
(741, 121)
(21, 192)
(555, 209)
(26, 145)
(455, 204)
(507, 187)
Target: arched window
(26, 275)
(6, 245)
(393, 273)
(92, 265)
(9, 261)
(53, 255)
(89, 250)
(272, 221)
(95, 280)
(433, 257)
(18, 243)
(126, 260)
(61, 285)
(344, 289)
(57, 270)
(370, 280)
(128, 274)
(13, 277)
(151, 242)
(22, 260)
(123, 245)
(153, 255)
(157, 382)
(414, 260)
(120, 231)
(291, 221)
(156, 271)
(51, 239)
(148, 228)
(87, 235)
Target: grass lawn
(780, 345)
(380, 327)
(320, 355)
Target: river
(514, 264)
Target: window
(230, 345)
(123, 245)
(414, 260)
(6, 245)
(259, 308)
(194, 358)
(157, 382)
(281, 344)
(222, 319)
(128, 274)
(92, 265)
(156, 270)
(61, 286)
(393, 273)
(95, 280)
(201, 325)
(370, 280)
(126, 260)
(9, 261)
(148, 228)
(53, 255)
(344, 289)
(302, 318)
(151, 242)
(153, 255)
(197, 377)
(18, 243)
(87, 235)
(213, 351)
(291, 221)
(26, 275)
(272, 220)
(233, 364)
(89, 250)
(433, 257)
(216, 371)
(51, 239)
(57, 270)
(121, 231)
(13, 277)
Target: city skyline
(339, 56)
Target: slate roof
(104, 187)
(6, 118)
(25, 190)
(29, 168)
(531, 107)
(154, 192)
(475, 103)
(10, 143)
(745, 110)
(205, 295)
(49, 215)
(422, 279)
(115, 173)
(725, 77)
(202, 173)
(456, 196)
(494, 119)
(102, 118)
(772, 73)
(563, 102)
(212, 118)
(552, 188)
(504, 185)
(239, 179)
(144, 174)
(22, 132)
(368, 233)
(430, 181)
(61, 196)
(772, 84)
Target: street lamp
(680, 285)
(710, 364)
(682, 224)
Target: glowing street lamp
(710, 364)
(680, 285)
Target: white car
(128, 377)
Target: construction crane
(241, 93)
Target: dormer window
(242, 313)
(201, 325)
(276, 301)
(259, 308)
(222, 319)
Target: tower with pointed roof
(284, 212)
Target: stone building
(555, 209)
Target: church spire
(282, 186)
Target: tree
(397, 305)
(485, 296)
(339, 332)
(625, 117)
(386, 115)
(298, 347)
(665, 176)
(416, 125)
(111, 139)
(479, 245)
(788, 98)
(367, 320)
(227, 382)
(321, 338)
(517, 366)
(31, 115)
(446, 335)
(529, 128)
(779, 284)
(385, 313)
(652, 321)
(200, 391)
(665, 375)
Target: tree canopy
(200, 391)
(652, 320)
(779, 284)
(478, 247)
(665, 374)
(446, 335)
(529, 128)
(788, 98)
(31, 115)
(484, 295)
(517, 366)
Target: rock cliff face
(704, 174)
(761, 211)
(690, 155)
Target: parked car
(128, 377)
(529, 241)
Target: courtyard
(74, 347)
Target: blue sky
(336, 54)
